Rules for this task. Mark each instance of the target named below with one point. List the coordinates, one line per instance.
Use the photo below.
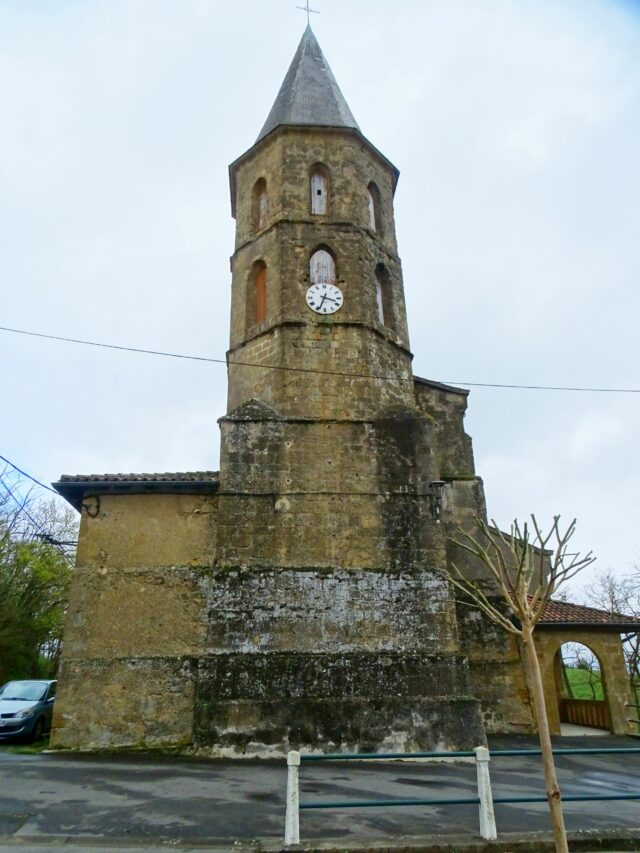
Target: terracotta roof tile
(564, 612)
(167, 477)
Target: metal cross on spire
(308, 11)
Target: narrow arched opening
(319, 188)
(583, 703)
(257, 294)
(259, 205)
(384, 297)
(375, 208)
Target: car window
(51, 692)
(32, 691)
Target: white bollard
(292, 819)
(487, 817)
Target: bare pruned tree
(525, 571)
(619, 594)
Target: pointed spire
(309, 93)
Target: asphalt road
(148, 798)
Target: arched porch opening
(581, 689)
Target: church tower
(296, 597)
(317, 282)
(329, 540)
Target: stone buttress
(329, 625)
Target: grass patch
(582, 681)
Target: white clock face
(324, 298)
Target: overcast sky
(516, 128)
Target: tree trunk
(565, 677)
(551, 780)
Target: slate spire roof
(309, 93)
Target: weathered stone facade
(296, 598)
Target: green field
(582, 681)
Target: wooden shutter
(319, 193)
(322, 268)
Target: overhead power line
(23, 509)
(313, 370)
(28, 476)
(59, 544)
(19, 503)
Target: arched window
(379, 299)
(384, 298)
(261, 293)
(319, 189)
(257, 294)
(375, 219)
(322, 268)
(260, 205)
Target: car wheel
(38, 731)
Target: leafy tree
(34, 574)
(524, 574)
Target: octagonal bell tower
(313, 201)
(329, 625)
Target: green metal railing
(457, 801)
(485, 799)
(387, 756)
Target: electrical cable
(22, 508)
(45, 536)
(323, 372)
(28, 476)
(20, 505)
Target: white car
(26, 708)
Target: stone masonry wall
(496, 672)
(335, 611)
(326, 493)
(136, 622)
(452, 445)
(285, 159)
(333, 659)
(343, 372)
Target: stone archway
(607, 647)
(581, 688)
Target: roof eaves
(73, 489)
(440, 386)
(619, 627)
